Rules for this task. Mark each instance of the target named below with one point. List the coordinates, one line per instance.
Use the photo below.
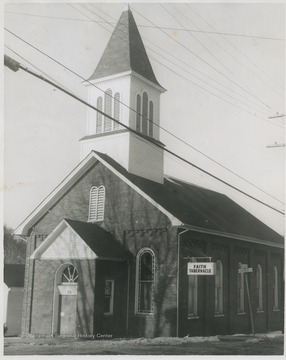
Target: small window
(151, 110)
(259, 290)
(138, 113)
(107, 110)
(240, 292)
(96, 203)
(145, 114)
(70, 275)
(99, 116)
(275, 289)
(108, 297)
(192, 296)
(145, 281)
(219, 288)
(116, 110)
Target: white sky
(43, 125)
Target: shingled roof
(125, 51)
(200, 207)
(101, 242)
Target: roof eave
(230, 235)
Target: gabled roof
(200, 207)
(183, 203)
(14, 275)
(99, 240)
(73, 239)
(125, 51)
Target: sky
(222, 64)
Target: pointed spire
(125, 51)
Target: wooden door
(67, 314)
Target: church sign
(201, 268)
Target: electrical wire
(204, 61)
(241, 53)
(148, 119)
(155, 27)
(190, 81)
(189, 66)
(144, 137)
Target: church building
(119, 248)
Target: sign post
(243, 270)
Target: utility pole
(276, 145)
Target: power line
(224, 49)
(241, 53)
(112, 23)
(180, 67)
(147, 119)
(15, 66)
(187, 64)
(190, 81)
(194, 37)
(214, 68)
(155, 27)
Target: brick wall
(136, 223)
(230, 252)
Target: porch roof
(100, 241)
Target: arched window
(259, 290)
(219, 288)
(99, 116)
(116, 110)
(138, 113)
(107, 110)
(70, 275)
(192, 296)
(151, 110)
(96, 203)
(145, 114)
(145, 282)
(240, 292)
(275, 289)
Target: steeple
(124, 87)
(125, 51)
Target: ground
(263, 344)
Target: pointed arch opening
(99, 116)
(108, 110)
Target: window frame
(116, 110)
(99, 116)
(111, 304)
(108, 102)
(259, 288)
(275, 289)
(96, 204)
(139, 256)
(219, 308)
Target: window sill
(109, 314)
(259, 311)
(144, 314)
(219, 315)
(276, 309)
(241, 313)
(193, 317)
